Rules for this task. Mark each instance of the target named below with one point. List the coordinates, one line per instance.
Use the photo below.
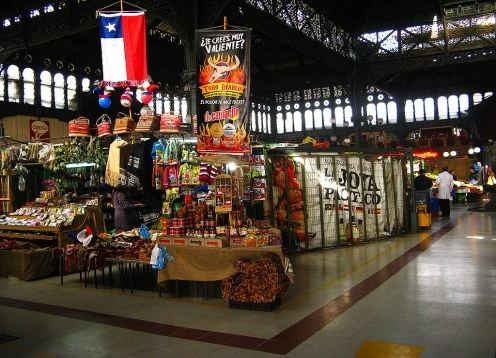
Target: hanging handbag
(148, 122)
(79, 127)
(169, 123)
(123, 124)
(104, 126)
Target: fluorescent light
(80, 165)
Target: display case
(223, 193)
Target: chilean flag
(123, 39)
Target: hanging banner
(223, 88)
(123, 41)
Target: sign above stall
(428, 154)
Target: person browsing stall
(421, 182)
(445, 186)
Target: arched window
(264, 122)
(418, 105)
(477, 98)
(2, 85)
(348, 114)
(269, 123)
(13, 83)
(429, 109)
(318, 120)
(59, 90)
(409, 114)
(298, 121)
(177, 105)
(288, 123)
(371, 110)
(327, 113)
(453, 106)
(85, 85)
(442, 107)
(159, 103)
(167, 104)
(28, 82)
(279, 123)
(71, 93)
(381, 112)
(464, 105)
(46, 89)
(392, 113)
(308, 119)
(253, 121)
(184, 108)
(339, 113)
(260, 124)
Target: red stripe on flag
(134, 37)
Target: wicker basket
(79, 127)
(123, 124)
(104, 126)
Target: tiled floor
(425, 294)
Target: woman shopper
(445, 186)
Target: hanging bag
(104, 126)
(169, 123)
(123, 124)
(148, 122)
(79, 127)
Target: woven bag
(104, 126)
(123, 124)
(79, 127)
(169, 123)
(148, 122)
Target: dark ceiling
(282, 58)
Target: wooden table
(192, 263)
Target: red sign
(39, 130)
(426, 155)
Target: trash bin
(423, 216)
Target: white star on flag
(110, 27)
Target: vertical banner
(223, 90)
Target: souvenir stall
(41, 205)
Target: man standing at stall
(445, 186)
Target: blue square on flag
(123, 41)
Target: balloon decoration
(127, 98)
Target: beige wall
(17, 127)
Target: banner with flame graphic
(223, 90)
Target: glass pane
(279, 123)
(442, 107)
(253, 122)
(327, 118)
(419, 109)
(28, 93)
(317, 115)
(429, 109)
(298, 122)
(409, 110)
(392, 113)
(453, 106)
(339, 113)
(308, 120)
(288, 123)
(464, 105)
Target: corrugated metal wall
(17, 127)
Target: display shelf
(42, 233)
(223, 193)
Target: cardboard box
(216, 242)
(237, 241)
(164, 240)
(196, 241)
(180, 241)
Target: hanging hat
(127, 98)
